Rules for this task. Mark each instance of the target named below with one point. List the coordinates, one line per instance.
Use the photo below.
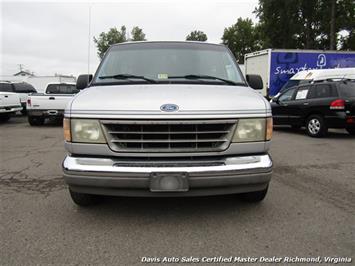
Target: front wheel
(316, 127)
(255, 196)
(82, 199)
(35, 120)
(351, 130)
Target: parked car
(23, 90)
(9, 105)
(163, 119)
(317, 106)
(50, 104)
(315, 75)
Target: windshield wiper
(230, 82)
(128, 76)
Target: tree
(106, 39)
(306, 24)
(137, 34)
(338, 33)
(242, 38)
(277, 22)
(196, 35)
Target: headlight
(255, 129)
(85, 130)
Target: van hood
(131, 100)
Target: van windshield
(169, 62)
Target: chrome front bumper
(105, 176)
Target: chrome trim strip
(169, 122)
(107, 165)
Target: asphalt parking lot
(309, 210)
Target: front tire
(316, 127)
(255, 196)
(82, 199)
(351, 130)
(35, 120)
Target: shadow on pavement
(332, 133)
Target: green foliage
(196, 35)
(242, 37)
(306, 24)
(137, 34)
(106, 39)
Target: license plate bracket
(169, 182)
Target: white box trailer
(277, 66)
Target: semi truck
(277, 66)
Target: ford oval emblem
(169, 107)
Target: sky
(53, 37)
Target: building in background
(24, 73)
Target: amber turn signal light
(66, 127)
(269, 126)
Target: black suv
(318, 106)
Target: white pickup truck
(50, 104)
(9, 104)
(22, 89)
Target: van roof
(319, 74)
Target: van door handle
(6, 96)
(305, 103)
(51, 98)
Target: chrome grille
(168, 135)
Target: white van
(310, 76)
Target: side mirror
(274, 99)
(255, 81)
(83, 81)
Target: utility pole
(332, 27)
(21, 67)
(89, 36)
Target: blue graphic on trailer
(284, 65)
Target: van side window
(287, 96)
(302, 93)
(347, 89)
(6, 87)
(322, 91)
(24, 88)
